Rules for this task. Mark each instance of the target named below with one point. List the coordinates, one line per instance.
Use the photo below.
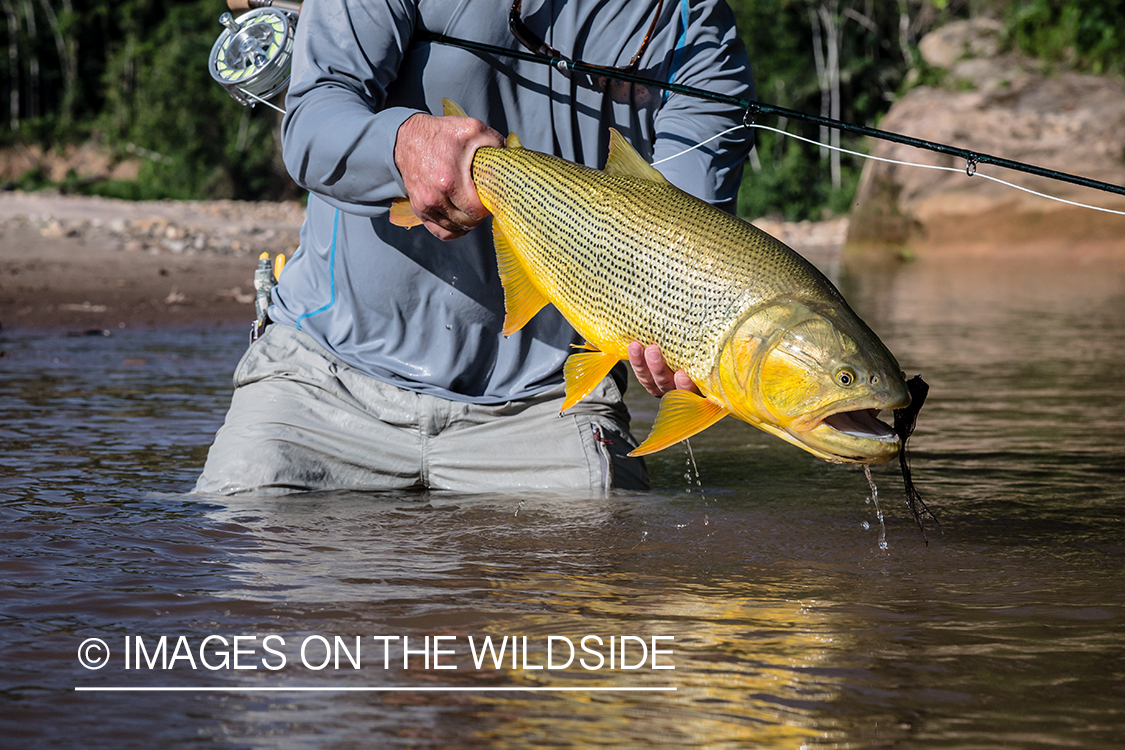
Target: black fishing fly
(906, 419)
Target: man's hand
(653, 372)
(434, 156)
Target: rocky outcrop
(1005, 105)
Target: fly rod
(752, 108)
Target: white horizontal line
(391, 689)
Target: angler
(384, 364)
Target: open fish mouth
(854, 436)
(861, 423)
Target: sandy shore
(87, 263)
(83, 263)
(92, 263)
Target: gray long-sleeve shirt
(426, 315)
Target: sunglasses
(534, 44)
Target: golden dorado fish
(626, 256)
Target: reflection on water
(789, 626)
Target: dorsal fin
(624, 161)
(452, 109)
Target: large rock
(1004, 105)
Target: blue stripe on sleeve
(331, 274)
(681, 43)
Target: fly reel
(251, 57)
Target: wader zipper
(602, 443)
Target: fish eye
(845, 377)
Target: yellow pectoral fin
(682, 414)
(583, 372)
(521, 297)
(402, 215)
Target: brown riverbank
(90, 263)
(84, 263)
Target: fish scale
(627, 259)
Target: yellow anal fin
(682, 414)
(624, 161)
(583, 372)
(513, 141)
(451, 108)
(402, 215)
(522, 299)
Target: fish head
(815, 376)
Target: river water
(762, 583)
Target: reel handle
(241, 6)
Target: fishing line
(970, 168)
(257, 98)
(755, 108)
(973, 159)
(288, 12)
(701, 144)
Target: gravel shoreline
(95, 263)
(88, 263)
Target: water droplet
(516, 514)
(866, 526)
(878, 511)
(693, 471)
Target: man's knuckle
(431, 197)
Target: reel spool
(251, 57)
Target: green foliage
(144, 90)
(1087, 35)
(204, 143)
(793, 184)
(794, 178)
(131, 74)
